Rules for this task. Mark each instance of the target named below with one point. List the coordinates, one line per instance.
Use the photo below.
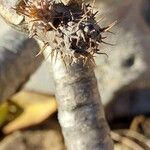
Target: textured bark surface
(81, 113)
(17, 62)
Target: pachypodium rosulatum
(69, 30)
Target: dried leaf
(36, 107)
(4, 110)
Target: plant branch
(80, 110)
(17, 62)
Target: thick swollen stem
(80, 111)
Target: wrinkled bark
(17, 62)
(80, 111)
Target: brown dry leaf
(37, 108)
(137, 121)
(131, 144)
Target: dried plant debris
(132, 139)
(70, 29)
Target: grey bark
(17, 62)
(80, 111)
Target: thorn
(110, 26)
(83, 37)
(108, 43)
(84, 16)
(72, 17)
(100, 19)
(90, 41)
(97, 12)
(88, 5)
(92, 31)
(34, 20)
(111, 32)
(104, 37)
(43, 48)
(52, 26)
(77, 42)
(72, 60)
(85, 61)
(102, 54)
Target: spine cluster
(77, 33)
